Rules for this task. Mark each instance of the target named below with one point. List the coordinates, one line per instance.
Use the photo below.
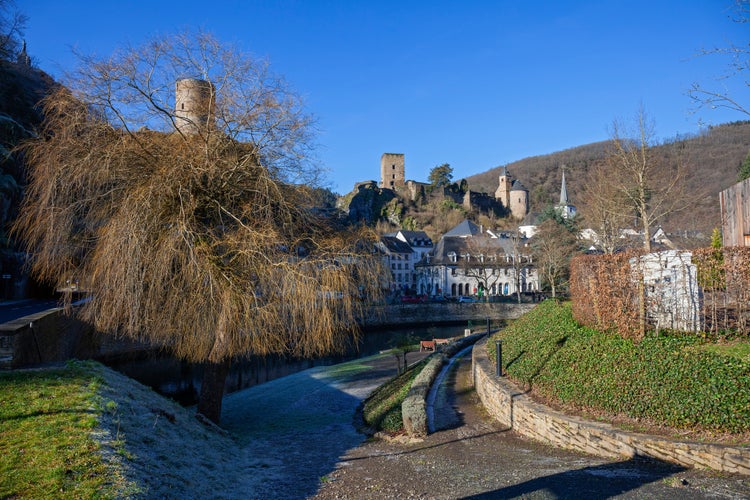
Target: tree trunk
(212, 390)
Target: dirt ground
(471, 456)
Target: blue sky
(475, 84)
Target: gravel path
(471, 456)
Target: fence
(706, 290)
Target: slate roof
(395, 245)
(414, 238)
(464, 229)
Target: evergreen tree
(744, 169)
(441, 175)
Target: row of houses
(468, 260)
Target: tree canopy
(203, 241)
(441, 175)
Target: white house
(401, 251)
(468, 261)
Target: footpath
(301, 432)
(471, 456)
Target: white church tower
(566, 210)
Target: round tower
(519, 200)
(194, 103)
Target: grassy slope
(47, 449)
(681, 382)
(382, 410)
(84, 431)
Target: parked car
(438, 298)
(413, 299)
(467, 299)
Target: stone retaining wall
(514, 408)
(419, 314)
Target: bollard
(488, 325)
(499, 356)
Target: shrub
(667, 380)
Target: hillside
(714, 156)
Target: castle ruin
(194, 105)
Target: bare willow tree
(484, 261)
(189, 220)
(649, 190)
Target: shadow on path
(593, 483)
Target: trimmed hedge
(666, 380)
(382, 409)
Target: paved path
(471, 456)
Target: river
(180, 380)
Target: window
(452, 256)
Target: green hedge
(667, 380)
(382, 409)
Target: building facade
(470, 261)
(401, 252)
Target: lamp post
(499, 358)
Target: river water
(180, 380)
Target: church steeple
(563, 191)
(567, 211)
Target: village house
(401, 251)
(470, 261)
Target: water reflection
(180, 380)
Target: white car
(467, 299)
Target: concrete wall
(512, 407)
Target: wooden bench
(426, 345)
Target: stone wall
(416, 314)
(514, 408)
(51, 336)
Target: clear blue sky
(475, 84)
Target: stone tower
(519, 200)
(392, 170)
(502, 194)
(194, 103)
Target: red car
(412, 299)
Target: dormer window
(452, 256)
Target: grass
(735, 349)
(47, 448)
(678, 381)
(382, 410)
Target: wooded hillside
(713, 156)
